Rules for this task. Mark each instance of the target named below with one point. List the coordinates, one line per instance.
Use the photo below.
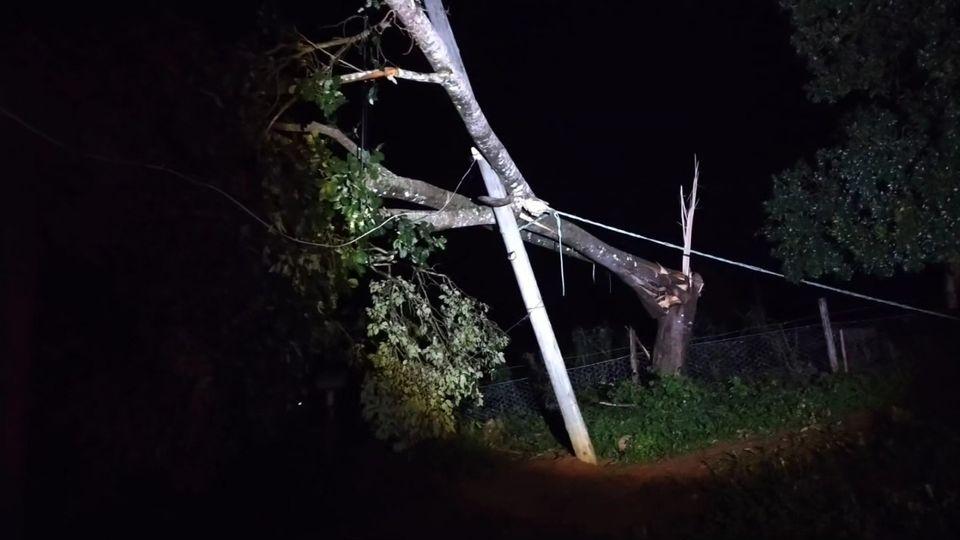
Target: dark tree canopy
(884, 196)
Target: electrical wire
(759, 269)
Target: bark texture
(674, 331)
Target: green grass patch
(900, 483)
(677, 415)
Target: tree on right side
(885, 195)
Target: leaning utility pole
(549, 349)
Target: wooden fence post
(828, 335)
(843, 353)
(530, 291)
(634, 360)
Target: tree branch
(687, 211)
(458, 88)
(388, 185)
(349, 40)
(316, 128)
(441, 220)
(657, 287)
(391, 73)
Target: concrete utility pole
(549, 349)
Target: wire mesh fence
(772, 352)
(525, 395)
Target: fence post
(828, 335)
(634, 360)
(843, 353)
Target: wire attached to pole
(563, 280)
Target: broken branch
(391, 73)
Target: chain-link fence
(779, 352)
(525, 395)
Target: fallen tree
(669, 296)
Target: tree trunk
(674, 330)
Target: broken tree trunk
(549, 349)
(674, 330)
(688, 209)
(675, 327)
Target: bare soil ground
(366, 491)
(561, 497)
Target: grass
(902, 482)
(893, 475)
(888, 474)
(678, 415)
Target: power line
(252, 214)
(164, 169)
(758, 269)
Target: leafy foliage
(429, 343)
(413, 241)
(885, 196)
(433, 345)
(319, 197)
(323, 90)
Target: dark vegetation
(671, 416)
(895, 482)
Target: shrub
(433, 343)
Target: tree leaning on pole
(667, 295)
